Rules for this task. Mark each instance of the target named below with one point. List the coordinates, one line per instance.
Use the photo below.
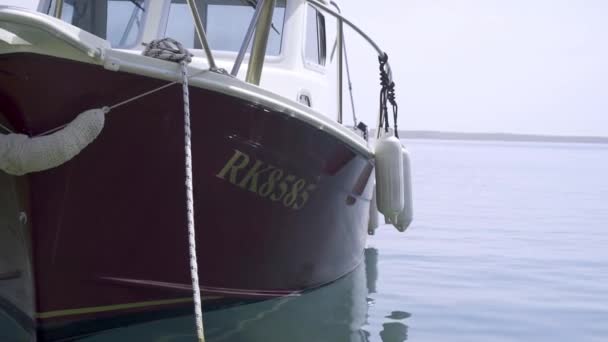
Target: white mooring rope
(171, 50)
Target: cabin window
(226, 23)
(118, 21)
(315, 50)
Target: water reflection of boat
(336, 312)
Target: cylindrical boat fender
(389, 176)
(20, 154)
(406, 216)
(373, 214)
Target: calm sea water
(510, 243)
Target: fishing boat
(98, 211)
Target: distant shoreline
(436, 135)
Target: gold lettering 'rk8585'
(266, 181)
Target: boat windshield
(118, 21)
(225, 21)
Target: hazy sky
(523, 66)
(526, 66)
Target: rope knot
(167, 49)
(391, 94)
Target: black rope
(387, 94)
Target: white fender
(407, 213)
(20, 154)
(373, 214)
(389, 176)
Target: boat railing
(202, 36)
(58, 9)
(340, 46)
(260, 25)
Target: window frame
(227, 54)
(321, 37)
(138, 40)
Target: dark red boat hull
(108, 229)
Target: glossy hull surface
(280, 205)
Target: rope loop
(383, 59)
(167, 49)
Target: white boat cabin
(298, 63)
